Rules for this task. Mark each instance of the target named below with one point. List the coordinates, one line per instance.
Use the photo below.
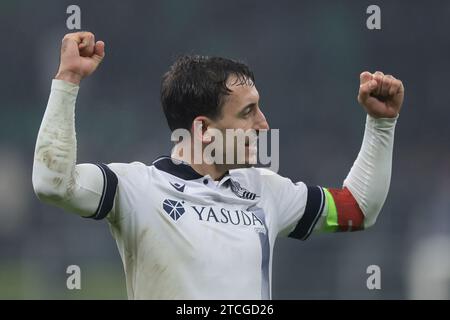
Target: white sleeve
(82, 189)
(297, 206)
(370, 175)
(302, 209)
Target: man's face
(240, 111)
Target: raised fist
(381, 95)
(80, 56)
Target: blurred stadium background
(307, 56)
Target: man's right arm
(56, 177)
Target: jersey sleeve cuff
(65, 86)
(106, 204)
(314, 207)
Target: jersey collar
(181, 169)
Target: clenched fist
(381, 95)
(80, 56)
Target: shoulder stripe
(313, 210)
(108, 194)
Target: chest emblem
(241, 192)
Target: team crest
(240, 191)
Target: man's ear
(199, 129)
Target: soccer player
(189, 230)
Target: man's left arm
(356, 206)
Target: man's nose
(261, 122)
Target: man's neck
(214, 171)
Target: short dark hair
(197, 85)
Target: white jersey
(185, 236)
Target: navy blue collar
(177, 168)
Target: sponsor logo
(175, 209)
(223, 215)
